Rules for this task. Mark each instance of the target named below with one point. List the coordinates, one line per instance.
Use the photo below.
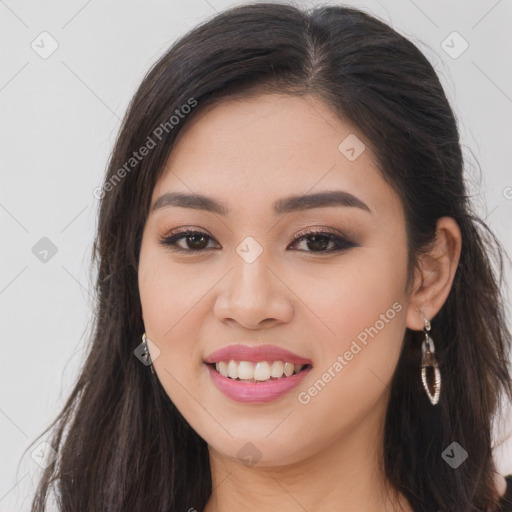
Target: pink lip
(255, 392)
(241, 352)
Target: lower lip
(255, 392)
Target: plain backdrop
(68, 70)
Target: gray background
(59, 118)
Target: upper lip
(242, 352)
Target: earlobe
(435, 274)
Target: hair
(121, 443)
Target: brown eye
(318, 241)
(194, 241)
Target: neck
(345, 476)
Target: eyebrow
(281, 206)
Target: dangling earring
(145, 353)
(428, 359)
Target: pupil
(194, 237)
(316, 244)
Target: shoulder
(501, 484)
(504, 488)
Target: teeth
(222, 368)
(261, 371)
(277, 369)
(288, 369)
(232, 370)
(245, 370)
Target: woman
(297, 306)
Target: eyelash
(341, 243)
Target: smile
(257, 372)
(259, 382)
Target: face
(323, 280)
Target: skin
(247, 153)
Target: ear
(434, 277)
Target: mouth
(258, 387)
(258, 372)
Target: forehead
(258, 149)
(264, 124)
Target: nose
(254, 296)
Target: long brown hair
(121, 443)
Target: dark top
(506, 500)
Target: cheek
(173, 303)
(357, 362)
(364, 287)
(166, 291)
(364, 307)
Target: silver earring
(428, 359)
(145, 353)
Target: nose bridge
(252, 293)
(251, 276)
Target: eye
(318, 241)
(195, 241)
